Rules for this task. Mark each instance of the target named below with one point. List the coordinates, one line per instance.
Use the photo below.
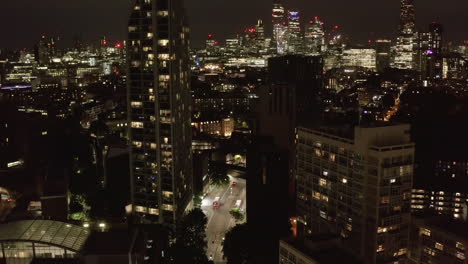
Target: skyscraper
(279, 28)
(159, 111)
(314, 38)
(436, 30)
(356, 183)
(403, 54)
(260, 29)
(294, 31)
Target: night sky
(23, 21)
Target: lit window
(460, 246)
(344, 180)
(325, 173)
(163, 13)
(322, 182)
(392, 180)
(136, 104)
(137, 124)
(316, 195)
(380, 248)
(166, 140)
(439, 246)
(163, 42)
(425, 232)
(150, 35)
(137, 144)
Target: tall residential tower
(159, 111)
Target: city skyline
(219, 18)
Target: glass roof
(60, 234)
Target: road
(219, 220)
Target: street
(219, 220)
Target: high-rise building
(260, 29)
(383, 48)
(294, 31)
(403, 53)
(314, 37)
(289, 99)
(436, 30)
(438, 240)
(280, 32)
(159, 109)
(356, 183)
(360, 57)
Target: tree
(197, 199)
(236, 214)
(190, 245)
(218, 174)
(235, 245)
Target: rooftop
(54, 233)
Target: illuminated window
(163, 13)
(380, 248)
(439, 246)
(137, 144)
(168, 207)
(392, 180)
(460, 255)
(153, 211)
(325, 173)
(137, 124)
(136, 104)
(316, 195)
(163, 42)
(344, 180)
(325, 198)
(150, 35)
(166, 140)
(163, 56)
(425, 232)
(460, 246)
(323, 182)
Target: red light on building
(337, 27)
(210, 36)
(104, 42)
(118, 45)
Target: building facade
(159, 109)
(403, 54)
(357, 184)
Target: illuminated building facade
(280, 32)
(314, 37)
(159, 109)
(403, 54)
(260, 38)
(294, 32)
(438, 240)
(383, 49)
(357, 184)
(364, 58)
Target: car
(234, 183)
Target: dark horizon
(93, 19)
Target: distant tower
(159, 109)
(403, 54)
(260, 29)
(294, 31)
(279, 28)
(314, 37)
(436, 30)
